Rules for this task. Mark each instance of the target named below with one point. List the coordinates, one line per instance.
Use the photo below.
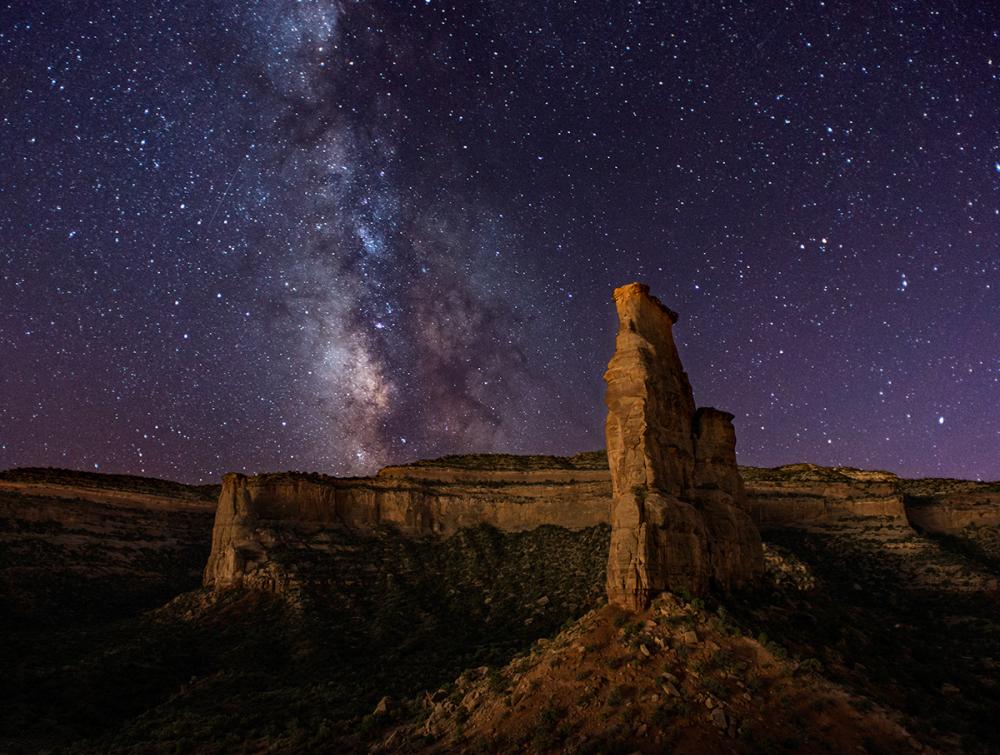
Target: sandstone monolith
(678, 512)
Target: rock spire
(678, 513)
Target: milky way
(329, 236)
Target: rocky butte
(260, 514)
(679, 517)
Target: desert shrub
(495, 681)
(663, 716)
(862, 704)
(615, 696)
(716, 687)
(631, 629)
(550, 729)
(810, 665)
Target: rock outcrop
(948, 507)
(79, 547)
(806, 495)
(260, 514)
(435, 499)
(678, 518)
(657, 689)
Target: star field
(333, 235)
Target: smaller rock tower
(678, 513)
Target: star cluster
(330, 235)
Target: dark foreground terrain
(868, 635)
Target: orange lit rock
(678, 512)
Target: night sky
(328, 236)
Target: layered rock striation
(943, 506)
(806, 495)
(79, 547)
(678, 518)
(260, 515)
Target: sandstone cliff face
(257, 515)
(805, 495)
(78, 547)
(677, 514)
(950, 506)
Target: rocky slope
(859, 641)
(674, 678)
(75, 545)
(258, 670)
